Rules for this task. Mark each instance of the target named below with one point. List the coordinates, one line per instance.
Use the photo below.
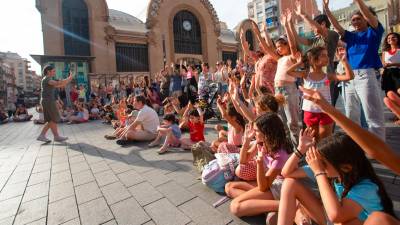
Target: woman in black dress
(48, 102)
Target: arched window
(249, 39)
(76, 28)
(187, 33)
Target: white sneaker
(60, 139)
(43, 138)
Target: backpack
(202, 155)
(220, 171)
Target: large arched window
(249, 39)
(187, 33)
(76, 28)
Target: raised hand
(249, 132)
(317, 98)
(341, 53)
(392, 101)
(306, 139)
(315, 161)
(298, 10)
(299, 57)
(326, 3)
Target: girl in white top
(285, 85)
(315, 78)
(391, 63)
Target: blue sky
(21, 31)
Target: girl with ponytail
(348, 185)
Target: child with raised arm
(273, 151)
(236, 124)
(193, 119)
(355, 193)
(285, 84)
(314, 77)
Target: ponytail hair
(340, 149)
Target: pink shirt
(265, 71)
(189, 75)
(233, 137)
(277, 161)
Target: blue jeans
(291, 109)
(363, 93)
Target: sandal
(162, 151)
(110, 137)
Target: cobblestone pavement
(90, 180)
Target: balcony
(270, 4)
(271, 15)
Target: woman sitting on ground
(21, 114)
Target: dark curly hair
(339, 149)
(386, 46)
(271, 125)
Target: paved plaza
(90, 180)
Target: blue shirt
(364, 193)
(176, 81)
(176, 131)
(362, 48)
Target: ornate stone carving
(109, 34)
(154, 7)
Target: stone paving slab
(90, 180)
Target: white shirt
(323, 86)
(149, 119)
(284, 63)
(389, 58)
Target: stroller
(207, 102)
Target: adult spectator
(362, 50)
(144, 128)
(176, 82)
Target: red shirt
(74, 96)
(196, 131)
